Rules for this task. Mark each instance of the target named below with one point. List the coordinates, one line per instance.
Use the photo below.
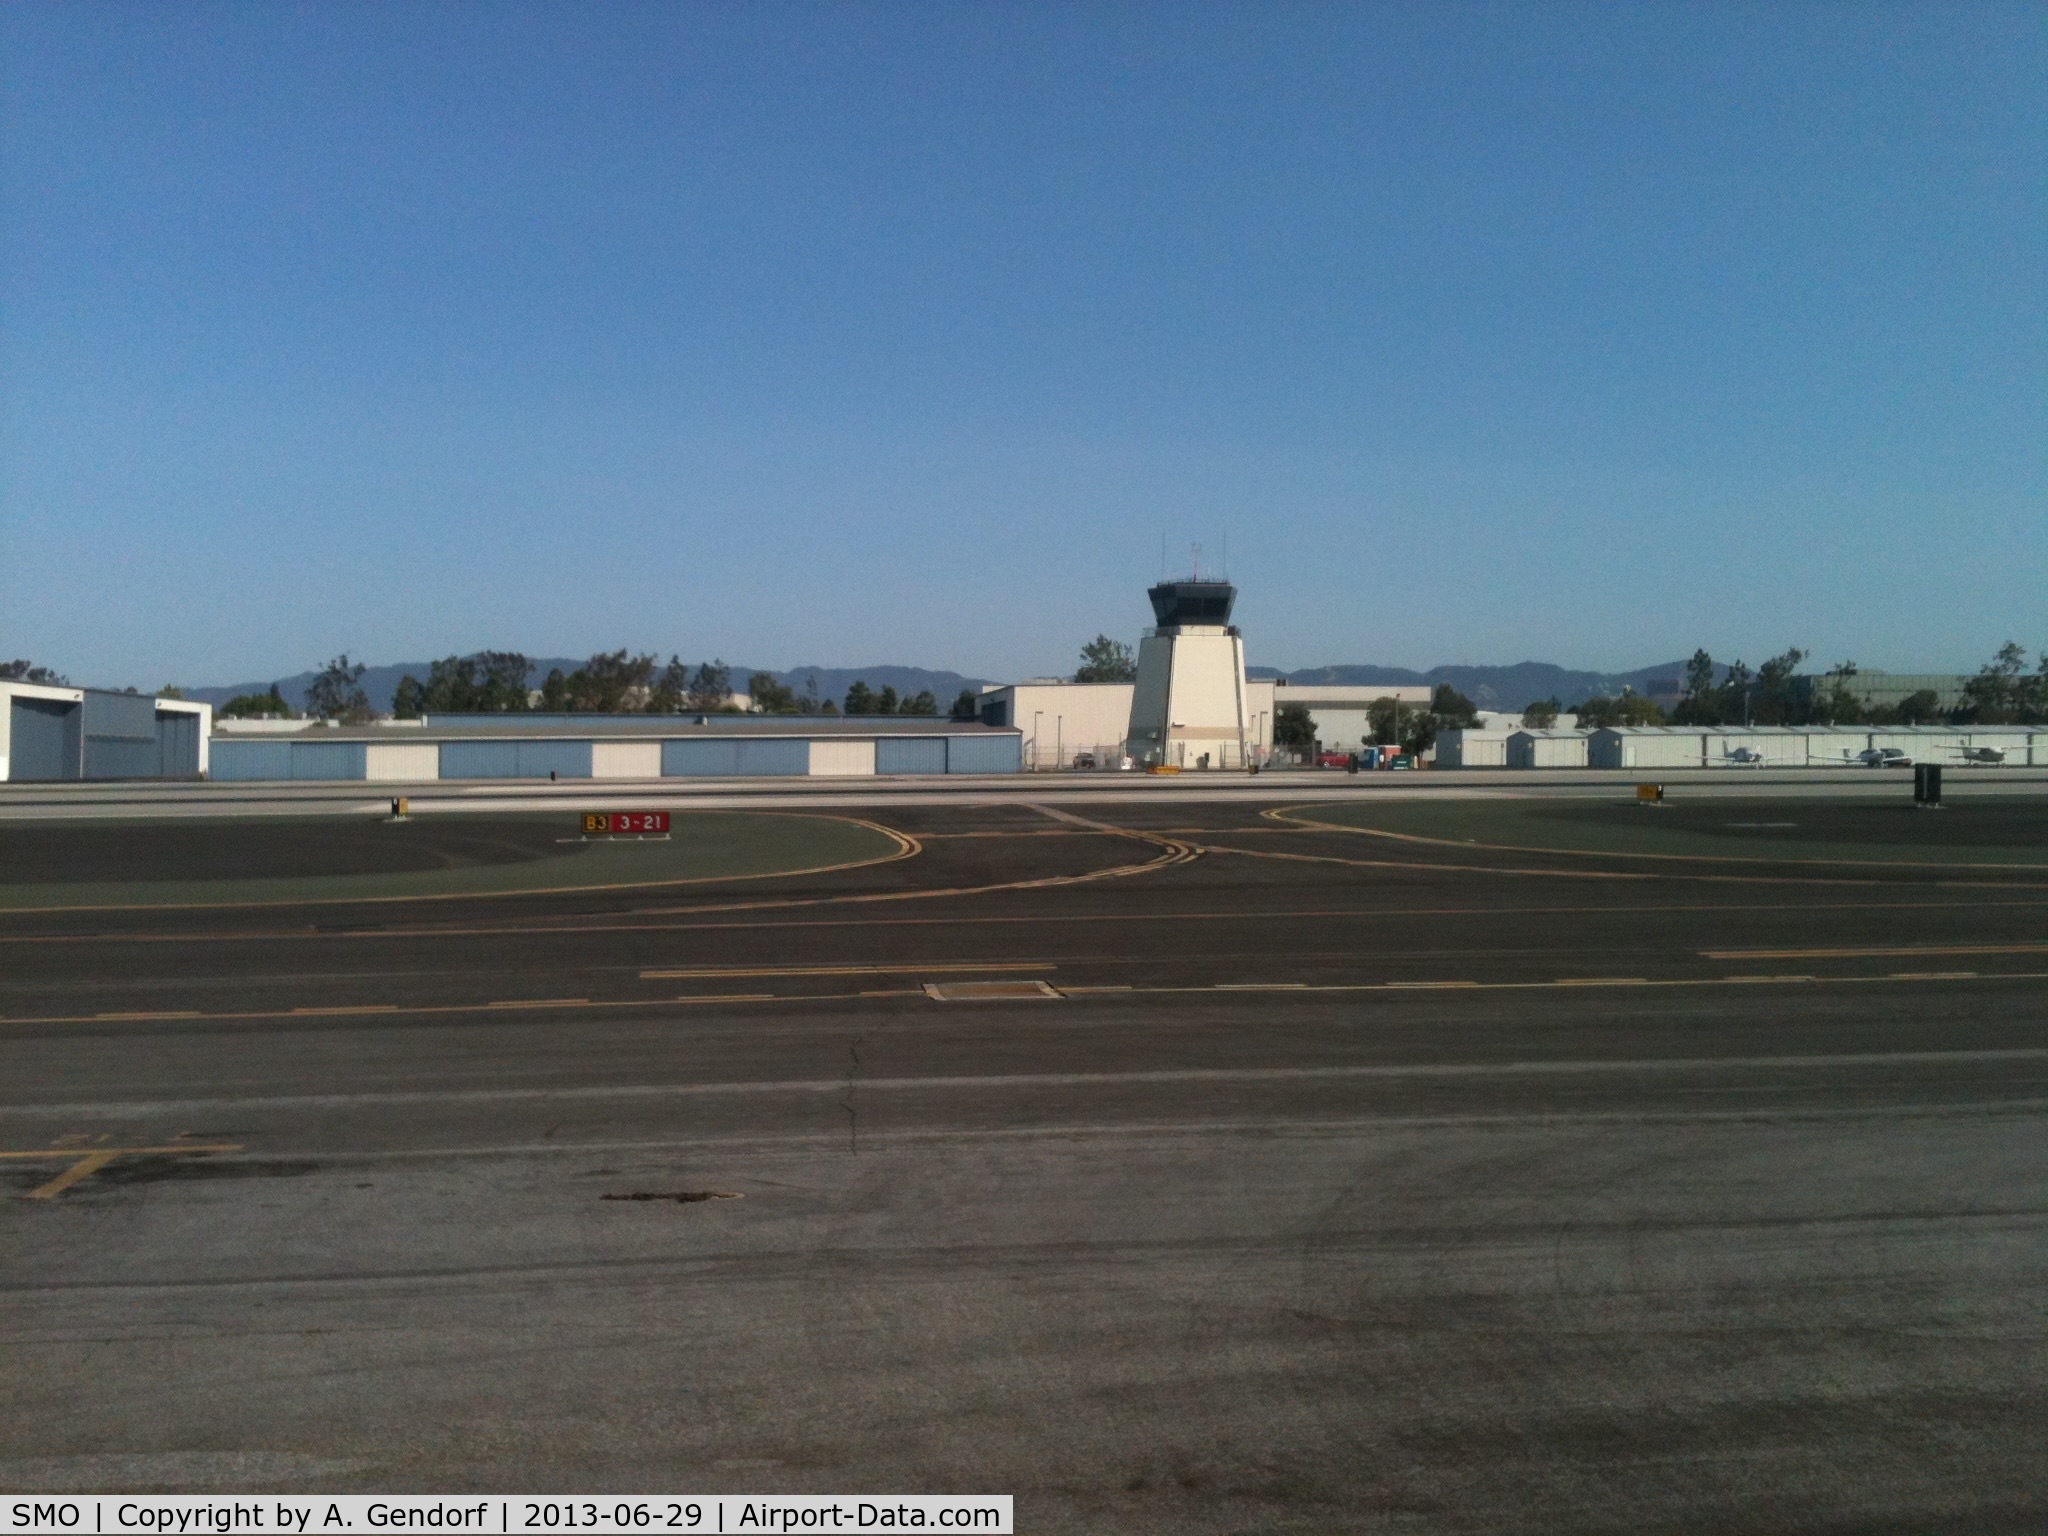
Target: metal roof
(648, 727)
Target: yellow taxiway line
(953, 967)
(1887, 951)
(84, 1164)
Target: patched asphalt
(1319, 1185)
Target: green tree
(885, 701)
(610, 683)
(1390, 720)
(1541, 715)
(1775, 701)
(1994, 695)
(1452, 708)
(501, 681)
(337, 693)
(1104, 660)
(860, 699)
(408, 699)
(1294, 728)
(257, 706)
(25, 671)
(1630, 709)
(770, 695)
(711, 688)
(1837, 703)
(671, 689)
(170, 691)
(921, 703)
(965, 707)
(1704, 701)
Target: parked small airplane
(1884, 757)
(1748, 757)
(1989, 756)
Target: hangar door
(177, 743)
(911, 754)
(515, 759)
(45, 739)
(727, 755)
(984, 754)
(120, 736)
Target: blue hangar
(539, 746)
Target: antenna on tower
(1197, 561)
(1225, 572)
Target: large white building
(1342, 712)
(53, 734)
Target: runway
(1165, 1163)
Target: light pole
(1036, 716)
(1059, 741)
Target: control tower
(1188, 709)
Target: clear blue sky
(848, 333)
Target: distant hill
(1499, 687)
(832, 682)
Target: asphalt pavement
(1166, 1164)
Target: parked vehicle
(1335, 760)
(1084, 759)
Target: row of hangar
(1792, 746)
(50, 733)
(624, 747)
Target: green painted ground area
(278, 859)
(1980, 830)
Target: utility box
(1927, 784)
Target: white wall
(842, 759)
(1472, 749)
(8, 692)
(401, 761)
(625, 759)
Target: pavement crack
(847, 1103)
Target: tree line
(609, 683)
(2004, 691)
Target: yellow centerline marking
(183, 1013)
(84, 1168)
(725, 997)
(907, 847)
(1934, 976)
(347, 1009)
(540, 1002)
(1612, 874)
(1287, 814)
(692, 973)
(1601, 981)
(1883, 952)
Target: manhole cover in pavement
(985, 991)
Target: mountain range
(1495, 687)
(1500, 687)
(830, 682)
